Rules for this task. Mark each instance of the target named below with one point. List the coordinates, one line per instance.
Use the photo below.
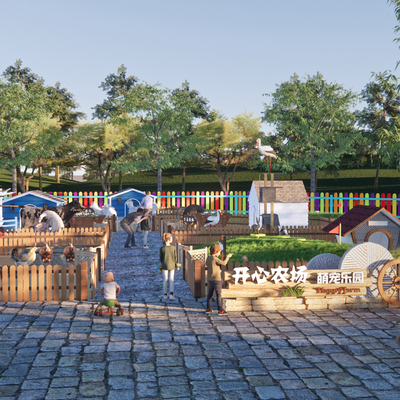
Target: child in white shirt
(109, 289)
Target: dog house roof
(36, 193)
(355, 217)
(286, 191)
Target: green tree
(62, 107)
(380, 120)
(27, 128)
(229, 144)
(102, 149)
(164, 130)
(313, 124)
(114, 109)
(396, 4)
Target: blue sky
(232, 52)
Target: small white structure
(290, 204)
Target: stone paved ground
(172, 350)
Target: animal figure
(25, 257)
(213, 219)
(105, 210)
(30, 214)
(255, 229)
(244, 258)
(266, 151)
(189, 210)
(69, 253)
(42, 227)
(282, 231)
(45, 253)
(52, 219)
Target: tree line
(142, 127)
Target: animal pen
(57, 280)
(167, 221)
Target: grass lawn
(355, 180)
(279, 248)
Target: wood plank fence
(83, 237)
(50, 282)
(213, 233)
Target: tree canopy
(313, 123)
(380, 120)
(228, 144)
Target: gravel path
(172, 350)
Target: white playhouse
(290, 202)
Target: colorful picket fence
(233, 202)
(343, 202)
(237, 202)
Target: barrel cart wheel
(100, 312)
(389, 283)
(118, 312)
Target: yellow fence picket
(49, 283)
(20, 283)
(34, 283)
(41, 283)
(56, 283)
(63, 282)
(5, 284)
(26, 283)
(71, 283)
(12, 284)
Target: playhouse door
(379, 238)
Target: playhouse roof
(286, 191)
(124, 191)
(36, 193)
(355, 217)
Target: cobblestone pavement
(171, 349)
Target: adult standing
(146, 228)
(147, 205)
(125, 225)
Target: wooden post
(272, 203)
(98, 251)
(84, 276)
(198, 287)
(184, 263)
(265, 185)
(223, 241)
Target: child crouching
(109, 289)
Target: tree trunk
(316, 180)
(312, 182)
(291, 176)
(120, 180)
(27, 181)
(377, 173)
(40, 178)
(57, 172)
(14, 180)
(183, 178)
(159, 180)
